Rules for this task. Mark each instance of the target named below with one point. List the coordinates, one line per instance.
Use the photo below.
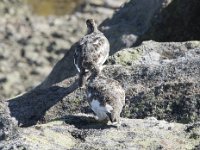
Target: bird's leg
(82, 79)
(115, 121)
(95, 72)
(88, 75)
(109, 116)
(101, 68)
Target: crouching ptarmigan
(106, 98)
(91, 52)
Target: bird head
(91, 25)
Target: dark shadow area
(82, 125)
(29, 108)
(129, 23)
(179, 21)
(64, 68)
(85, 122)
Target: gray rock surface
(160, 79)
(130, 22)
(82, 132)
(9, 133)
(7, 125)
(171, 24)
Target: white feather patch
(109, 108)
(76, 66)
(96, 42)
(100, 111)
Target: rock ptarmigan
(91, 52)
(106, 98)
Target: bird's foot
(115, 124)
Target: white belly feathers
(100, 111)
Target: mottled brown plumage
(106, 98)
(91, 52)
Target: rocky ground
(80, 132)
(161, 80)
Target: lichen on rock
(161, 80)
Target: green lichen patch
(125, 57)
(48, 136)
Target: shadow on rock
(85, 122)
(65, 68)
(130, 22)
(31, 107)
(179, 21)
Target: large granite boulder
(160, 79)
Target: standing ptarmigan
(91, 52)
(106, 98)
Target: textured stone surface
(83, 132)
(162, 81)
(172, 24)
(7, 125)
(9, 133)
(130, 22)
